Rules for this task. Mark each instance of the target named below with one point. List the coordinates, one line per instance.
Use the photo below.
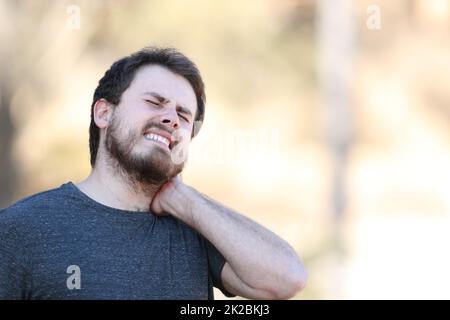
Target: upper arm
(233, 284)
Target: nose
(171, 118)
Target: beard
(148, 168)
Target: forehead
(155, 78)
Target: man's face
(150, 129)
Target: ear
(102, 113)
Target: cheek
(184, 134)
(127, 134)
(132, 125)
(187, 126)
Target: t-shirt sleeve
(216, 261)
(12, 272)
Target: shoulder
(20, 222)
(31, 208)
(39, 200)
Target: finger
(159, 214)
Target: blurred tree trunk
(34, 42)
(8, 171)
(336, 54)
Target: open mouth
(161, 140)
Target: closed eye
(152, 103)
(184, 118)
(159, 105)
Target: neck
(115, 189)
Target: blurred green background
(326, 121)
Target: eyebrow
(164, 100)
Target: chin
(157, 167)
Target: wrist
(180, 203)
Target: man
(132, 229)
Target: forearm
(259, 258)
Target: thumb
(155, 206)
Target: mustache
(177, 138)
(157, 126)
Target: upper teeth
(155, 137)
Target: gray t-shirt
(61, 244)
